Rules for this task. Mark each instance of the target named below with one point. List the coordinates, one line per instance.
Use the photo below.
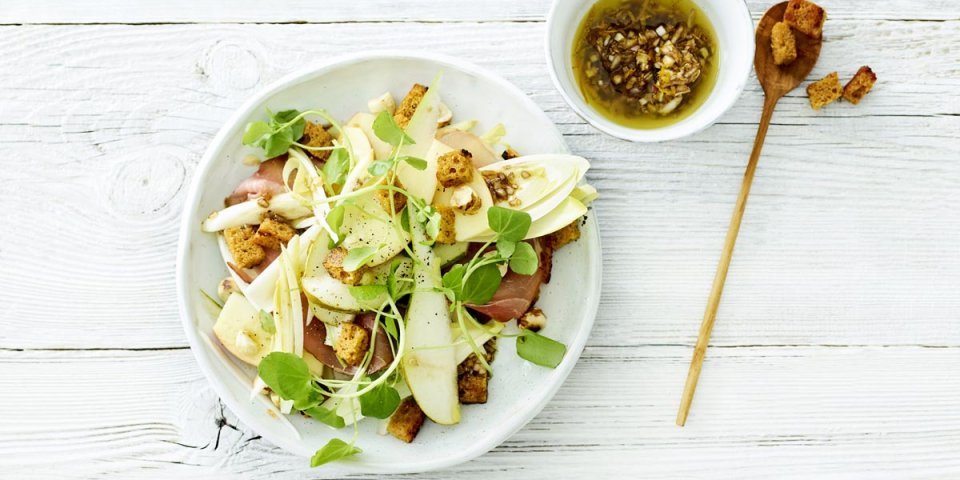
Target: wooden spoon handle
(713, 302)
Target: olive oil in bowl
(645, 63)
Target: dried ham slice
(315, 334)
(267, 181)
(517, 293)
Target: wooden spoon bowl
(777, 80)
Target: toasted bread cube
(783, 43)
(334, 265)
(352, 343)
(409, 105)
(859, 85)
(565, 235)
(315, 136)
(824, 91)
(273, 232)
(245, 251)
(455, 168)
(534, 320)
(472, 387)
(405, 423)
(448, 229)
(399, 199)
(806, 17)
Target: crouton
(472, 387)
(859, 85)
(448, 229)
(533, 320)
(455, 168)
(409, 105)
(824, 91)
(334, 265)
(783, 43)
(509, 153)
(315, 136)
(273, 232)
(352, 343)
(565, 235)
(806, 17)
(472, 378)
(399, 199)
(405, 423)
(246, 253)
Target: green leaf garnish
(275, 137)
(266, 322)
(286, 374)
(337, 167)
(310, 401)
(335, 449)
(326, 416)
(480, 285)
(540, 350)
(524, 260)
(380, 402)
(453, 279)
(386, 129)
(509, 224)
(417, 163)
(335, 219)
(357, 258)
(370, 297)
(395, 287)
(506, 248)
(380, 168)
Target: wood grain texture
(835, 344)
(306, 11)
(846, 235)
(760, 411)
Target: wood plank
(824, 412)
(850, 236)
(183, 11)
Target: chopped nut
(465, 200)
(533, 320)
(226, 287)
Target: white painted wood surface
(837, 345)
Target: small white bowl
(735, 34)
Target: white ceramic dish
(734, 28)
(518, 390)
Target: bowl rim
(191, 219)
(647, 135)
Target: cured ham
(314, 341)
(266, 181)
(517, 293)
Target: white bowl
(735, 35)
(518, 390)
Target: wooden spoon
(776, 82)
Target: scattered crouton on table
(824, 91)
(859, 85)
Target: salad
(374, 263)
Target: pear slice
(430, 372)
